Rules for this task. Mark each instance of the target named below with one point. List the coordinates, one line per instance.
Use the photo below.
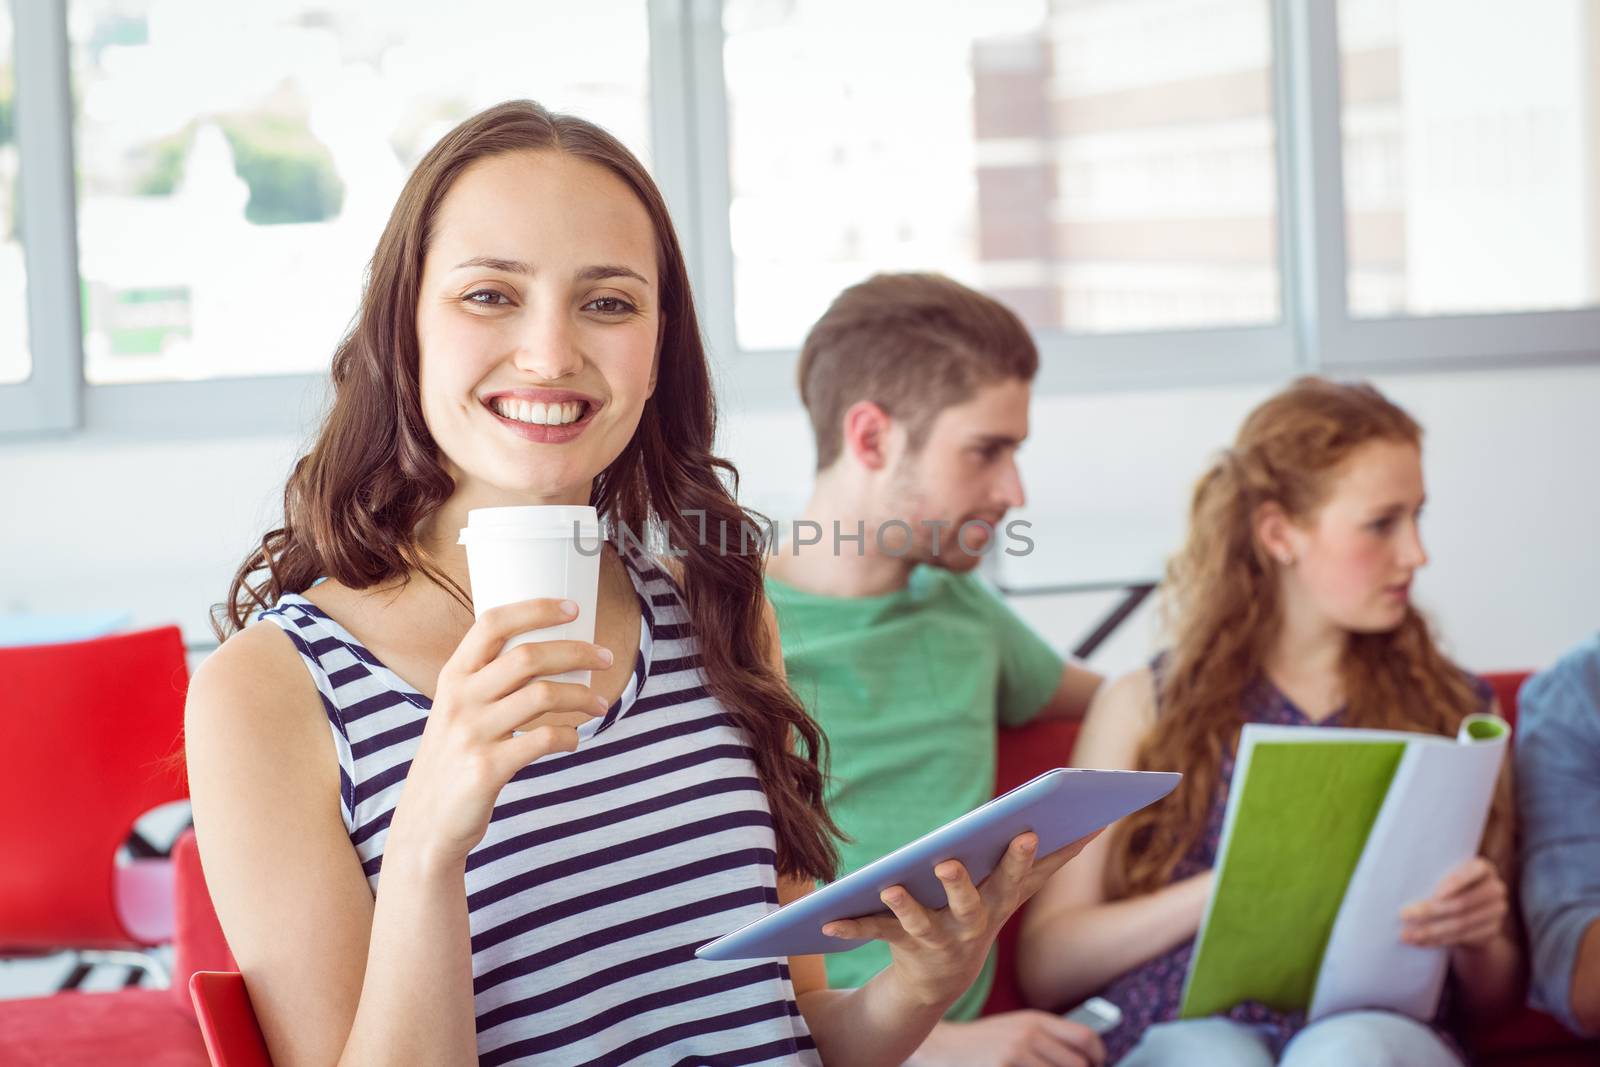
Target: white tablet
(1060, 806)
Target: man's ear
(866, 434)
(1277, 533)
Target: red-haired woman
(1290, 605)
(403, 876)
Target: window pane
(15, 363)
(1471, 155)
(1102, 165)
(237, 162)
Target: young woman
(401, 876)
(1291, 606)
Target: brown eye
(486, 297)
(610, 305)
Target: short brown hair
(914, 344)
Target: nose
(1413, 555)
(547, 345)
(1010, 488)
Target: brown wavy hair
(354, 502)
(1221, 603)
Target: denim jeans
(1369, 1038)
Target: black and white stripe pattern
(603, 869)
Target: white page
(1431, 822)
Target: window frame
(689, 124)
(58, 398)
(49, 400)
(1315, 331)
(1068, 361)
(1349, 345)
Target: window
(1471, 138)
(1170, 192)
(237, 162)
(15, 363)
(1102, 165)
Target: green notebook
(1328, 833)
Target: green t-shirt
(909, 688)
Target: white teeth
(536, 413)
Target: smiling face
(966, 471)
(1354, 558)
(537, 324)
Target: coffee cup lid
(546, 520)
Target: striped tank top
(602, 869)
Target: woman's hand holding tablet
(938, 952)
(931, 879)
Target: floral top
(1152, 992)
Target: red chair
(227, 1021)
(1527, 1039)
(87, 733)
(145, 1026)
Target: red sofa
(156, 1027)
(1527, 1039)
(148, 1027)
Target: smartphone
(1097, 1013)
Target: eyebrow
(988, 439)
(1398, 506)
(587, 274)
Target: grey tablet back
(1060, 806)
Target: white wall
(1513, 520)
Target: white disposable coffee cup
(530, 553)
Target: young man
(1558, 798)
(918, 391)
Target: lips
(537, 413)
(540, 396)
(544, 416)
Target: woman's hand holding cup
(487, 692)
